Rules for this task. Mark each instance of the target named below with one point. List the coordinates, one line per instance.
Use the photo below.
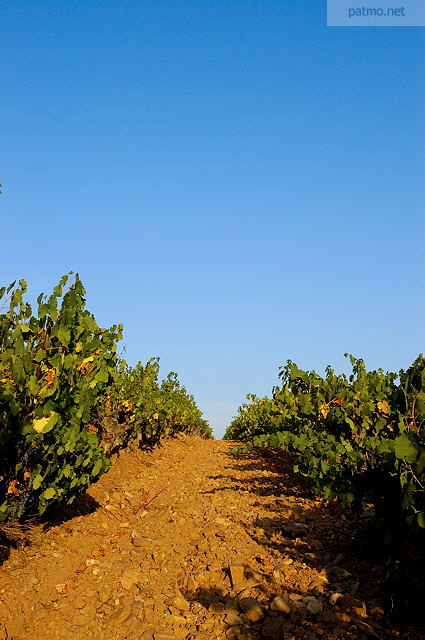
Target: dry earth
(186, 542)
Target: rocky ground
(186, 542)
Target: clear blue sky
(234, 181)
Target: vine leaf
(43, 425)
(405, 449)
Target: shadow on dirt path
(171, 543)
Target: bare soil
(187, 542)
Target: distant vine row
(358, 439)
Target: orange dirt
(170, 542)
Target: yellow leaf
(40, 424)
(78, 347)
(324, 409)
(155, 416)
(384, 407)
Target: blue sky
(234, 181)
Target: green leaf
(324, 466)
(49, 493)
(421, 462)
(33, 385)
(97, 467)
(64, 336)
(36, 483)
(405, 449)
(102, 376)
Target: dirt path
(169, 543)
